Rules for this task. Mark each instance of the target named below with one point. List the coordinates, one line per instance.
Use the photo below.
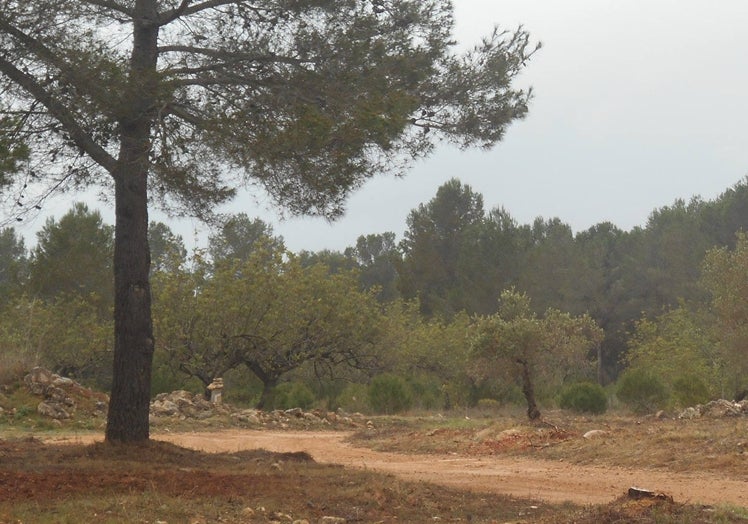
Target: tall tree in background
(13, 262)
(377, 257)
(238, 237)
(434, 244)
(73, 255)
(167, 248)
(177, 101)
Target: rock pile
(63, 397)
(716, 409)
(297, 417)
(60, 394)
(183, 405)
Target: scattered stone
(52, 410)
(62, 381)
(333, 520)
(294, 412)
(59, 393)
(716, 409)
(247, 416)
(164, 408)
(721, 408)
(595, 433)
(641, 493)
(38, 379)
(689, 414)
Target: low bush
(690, 390)
(353, 398)
(292, 395)
(584, 397)
(426, 392)
(389, 394)
(642, 391)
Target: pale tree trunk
(133, 329)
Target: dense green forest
(468, 306)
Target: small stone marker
(216, 391)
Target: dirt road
(520, 477)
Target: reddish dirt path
(517, 476)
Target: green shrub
(641, 391)
(584, 397)
(292, 395)
(23, 411)
(389, 394)
(353, 398)
(426, 392)
(690, 390)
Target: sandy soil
(521, 477)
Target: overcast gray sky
(637, 103)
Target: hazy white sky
(637, 103)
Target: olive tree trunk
(528, 390)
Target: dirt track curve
(551, 481)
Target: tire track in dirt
(551, 481)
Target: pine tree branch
(63, 115)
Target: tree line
(468, 305)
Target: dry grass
(160, 482)
(718, 445)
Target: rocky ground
(63, 402)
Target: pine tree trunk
(129, 404)
(133, 343)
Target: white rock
(595, 433)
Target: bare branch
(169, 16)
(183, 114)
(209, 4)
(114, 6)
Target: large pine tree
(178, 101)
